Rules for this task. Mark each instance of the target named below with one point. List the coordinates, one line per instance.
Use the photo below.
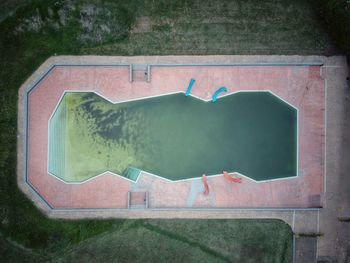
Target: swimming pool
(253, 133)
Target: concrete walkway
(335, 242)
(299, 84)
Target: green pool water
(173, 136)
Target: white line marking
(293, 248)
(293, 226)
(325, 142)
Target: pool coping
(65, 61)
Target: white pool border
(158, 176)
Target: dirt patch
(142, 25)
(101, 24)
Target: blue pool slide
(188, 91)
(217, 92)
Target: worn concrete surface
(301, 86)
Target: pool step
(137, 200)
(139, 72)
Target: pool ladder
(139, 72)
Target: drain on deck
(140, 72)
(137, 200)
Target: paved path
(335, 242)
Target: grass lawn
(171, 241)
(31, 31)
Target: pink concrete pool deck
(301, 86)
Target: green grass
(38, 29)
(173, 241)
(335, 17)
(225, 27)
(9, 7)
(163, 241)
